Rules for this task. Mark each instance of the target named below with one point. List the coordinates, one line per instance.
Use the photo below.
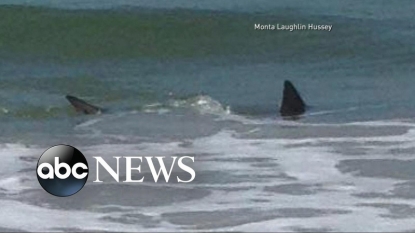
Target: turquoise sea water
(145, 55)
(180, 77)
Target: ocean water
(194, 78)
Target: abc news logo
(62, 170)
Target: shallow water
(179, 78)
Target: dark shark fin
(82, 106)
(292, 103)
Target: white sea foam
(272, 184)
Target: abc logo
(62, 170)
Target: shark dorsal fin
(292, 103)
(82, 106)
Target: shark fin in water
(292, 103)
(82, 106)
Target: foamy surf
(190, 79)
(242, 184)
